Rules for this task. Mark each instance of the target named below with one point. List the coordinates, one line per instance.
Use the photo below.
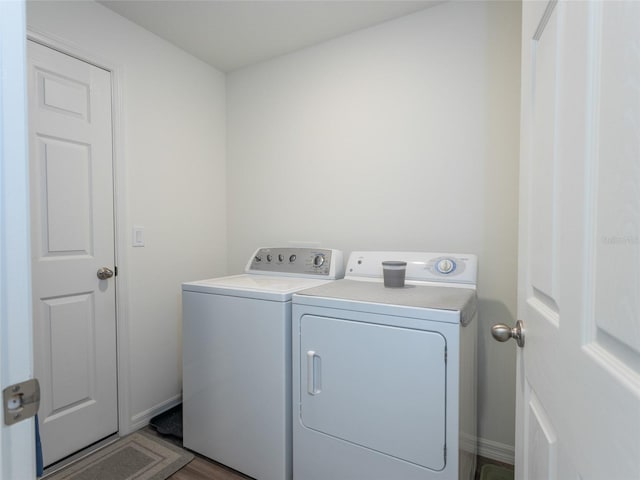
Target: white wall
(403, 136)
(171, 180)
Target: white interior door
(72, 238)
(578, 402)
(17, 443)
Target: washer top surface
(275, 273)
(264, 287)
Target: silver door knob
(105, 273)
(502, 332)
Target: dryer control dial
(318, 260)
(446, 265)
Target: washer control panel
(299, 262)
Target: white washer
(237, 359)
(384, 379)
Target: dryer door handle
(313, 372)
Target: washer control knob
(280, 257)
(318, 260)
(269, 258)
(446, 265)
(292, 258)
(258, 258)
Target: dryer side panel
(376, 386)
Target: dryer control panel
(445, 268)
(299, 262)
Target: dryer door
(377, 386)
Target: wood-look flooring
(201, 468)
(487, 461)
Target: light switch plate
(138, 237)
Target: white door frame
(119, 182)
(17, 442)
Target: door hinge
(21, 401)
(115, 270)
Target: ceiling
(231, 34)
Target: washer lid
(264, 287)
(417, 301)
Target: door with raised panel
(578, 402)
(72, 230)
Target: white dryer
(237, 359)
(384, 379)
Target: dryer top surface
(368, 294)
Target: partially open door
(578, 399)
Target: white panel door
(578, 403)
(72, 237)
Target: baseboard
(496, 451)
(142, 419)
